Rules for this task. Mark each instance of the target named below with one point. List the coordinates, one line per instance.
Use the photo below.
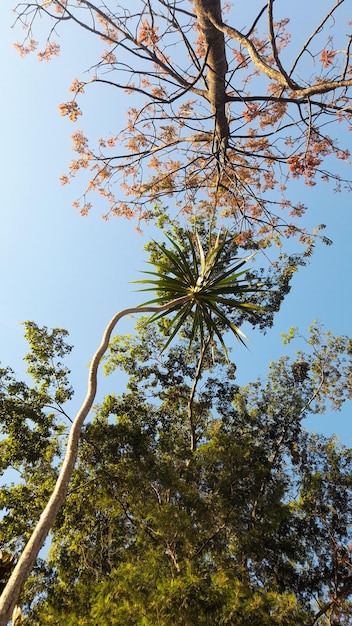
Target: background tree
(227, 105)
(195, 286)
(251, 525)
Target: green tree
(203, 289)
(247, 522)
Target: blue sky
(60, 269)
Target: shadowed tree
(227, 106)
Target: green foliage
(267, 285)
(30, 432)
(44, 366)
(194, 500)
(6, 566)
(202, 287)
(211, 295)
(329, 364)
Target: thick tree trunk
(214, 41)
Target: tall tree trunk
(214, 41)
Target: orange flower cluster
(303, 164)
(327, 57)
(77, 86)
(52, 49)
(24, 50)
(108, 57)
(148, 35)
(71, 109)
(240, 58)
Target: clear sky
(62, 270)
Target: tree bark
(216, 63)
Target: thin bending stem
(27, 560)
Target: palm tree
(194, 285)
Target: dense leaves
(196, 501)
(6, 565)
(31, 431)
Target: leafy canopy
(250, 525)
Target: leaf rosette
(203, 287)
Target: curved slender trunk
(24, 566)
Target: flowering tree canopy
(226, 108)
